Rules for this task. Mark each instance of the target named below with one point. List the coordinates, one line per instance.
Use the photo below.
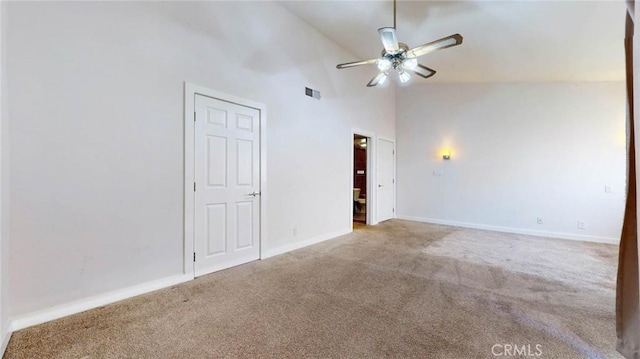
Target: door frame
(393, 142)
(371, 176)
(190, 92)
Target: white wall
(4, 189)
(97, 133)
(519, 151)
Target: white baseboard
(64, 310)
(6, 335)
(79, 306)
(574, 237)
(307, 242)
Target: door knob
(253, 194)
(380, 185)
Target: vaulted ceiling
(504, 41)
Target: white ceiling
(504, 41)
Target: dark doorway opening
(360, 169)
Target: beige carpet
(399, 289)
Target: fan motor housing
(396, 58)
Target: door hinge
(194, 186)
(393, 152)
(194, 117)
(393, 180)
(393, 210)
(194, 256)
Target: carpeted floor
(400, 289)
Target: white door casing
(227, 184)
(386, 180)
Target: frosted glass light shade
(383, 78)
(404, 76)
(410, 63)
(384, 65)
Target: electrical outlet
(608, 189)
(295, 232)
(582, 225)
(437, 172)
(539, 220)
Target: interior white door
(227, 187)
(386, 180)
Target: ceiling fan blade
(389, 39)
(379, 79)
(443, 43)
(356, 63)
(424, 71)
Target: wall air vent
(312, 93)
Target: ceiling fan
(400, 57)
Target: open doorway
(360, 174)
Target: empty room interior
(314, 179)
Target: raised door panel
(217, 117)
(216, 229)
(216, 161)
(244, 215)
(244, 163)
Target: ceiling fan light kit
(399, 57)
(404, 76)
